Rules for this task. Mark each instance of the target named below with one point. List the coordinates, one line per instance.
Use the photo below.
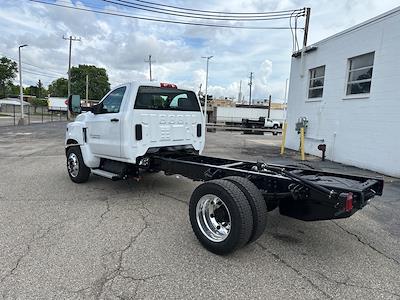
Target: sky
(121, 45)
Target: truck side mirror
(74, 104)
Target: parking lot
(133, 240)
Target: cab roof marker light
(168, 85)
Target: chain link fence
(10, 115)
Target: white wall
(363, 131)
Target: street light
(21, 92)
(205, 99)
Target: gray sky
(121, 45)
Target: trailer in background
(57, 104)
(235, 115)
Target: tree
(31, 90)
(59, 88)
(8, 71)
(12, 89)
(98, 81)
(40, 90)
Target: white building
(348, 87)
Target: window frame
(99, 109)
(172, 90)
(310, 79)
(351, 82)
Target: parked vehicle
(139, 127)
(235, 115)
(57, 104)
(269, 123)
(260, 123)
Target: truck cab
(133, 120)
(269, 123)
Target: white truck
(150, 127)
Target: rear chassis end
(300, 193)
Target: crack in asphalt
(297, 271)
(105, 212)
(346, 283)
(367, 244)
(172, 197)
(98, 287)
(140, 280)
(35, 237)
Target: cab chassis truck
(151, 127)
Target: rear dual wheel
(226, 214)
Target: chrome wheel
(213, 218)
(73, 165)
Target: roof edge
(380, 17)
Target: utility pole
(307, 24)
(240, 91)
(269, 106)
(250, 84)
(205, 99)
(21, 91)
(71, 39)
(87, 89)
(149, 61)
(199, 94)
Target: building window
(360, 74)
(316, 87)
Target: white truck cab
(132, 120)
(269, 123)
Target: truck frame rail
(299, 192)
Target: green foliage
(39, 102)
(30, 90)
(8, 71)
(12, 89)
(34, 90)
(98, 81)
(59, 88)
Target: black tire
(241, 219)
(257, 204)
(83, 172)
(275, 126)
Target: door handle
(114, 120)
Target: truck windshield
(166, 99)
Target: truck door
(104, 129)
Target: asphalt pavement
(133, 240)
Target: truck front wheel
(77, 170)
(220, 216)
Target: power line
(273, 16)
(158, 20)
(206, 11)
(46, 71)
(29, 64)
(39, 74)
